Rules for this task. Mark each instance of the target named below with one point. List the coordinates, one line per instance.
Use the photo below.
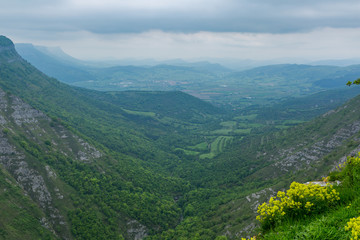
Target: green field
(228, 124)
(138, 113)
(217, 146)
(200, 147)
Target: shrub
(299, 200)
(354, 225)
(349, 172)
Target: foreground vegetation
(311, 211)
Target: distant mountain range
(205, 80)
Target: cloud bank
(184, 28)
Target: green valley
(79, 163)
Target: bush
(354, 225)
(299, 200)
(349, 172)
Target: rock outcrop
(18, 118)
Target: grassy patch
(138, 113)
(228, 124)
(187, 152)
(246, 117)
(217, 146)
(292, 122)
(201, 146)
(243, 131)
(222, 131)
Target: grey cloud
(271, 16)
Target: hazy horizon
(163, 30)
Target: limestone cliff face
(37, 179)
(290, 159)
(329, 132)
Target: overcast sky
(159, 29)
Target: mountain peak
(7, 50)
(5, 42)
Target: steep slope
(22, 129)
(69, 180)
(98, 181)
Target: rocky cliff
(22, 125)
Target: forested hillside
(153, 165)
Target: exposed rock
(344, 158)
(136, 230)
(24, 113)
(291, 159)
(246, 230)
(50, 173)
(5, 147)
(324, 184)
(17, 116)
(32, 182)
(255, 199)
(88, 153)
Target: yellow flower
(354, 225)
(299, 197)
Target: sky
(187, 29)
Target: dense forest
(83, 164)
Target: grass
(249, 125)
(327, 226)
(138, 113)
(200, 147)
(292, 122)
(207, 155)
(223, 131)
(243, 131)
(246, 117)
(217, 146)
(228, 124)
(187, 152)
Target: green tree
(357, 82)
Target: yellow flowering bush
(300, 199)
(252, 238)
(349, 172)
(354, 225)
(351, 169)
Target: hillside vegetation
(312, 211)
(153, 165)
